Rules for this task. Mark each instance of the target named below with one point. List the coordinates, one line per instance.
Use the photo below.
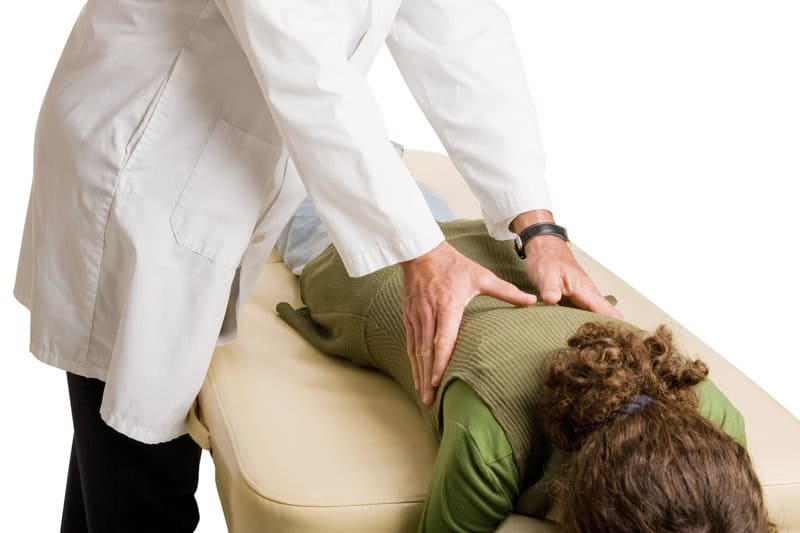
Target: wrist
(423, 258)
(542, 244)
(523, 220)
(538, 242)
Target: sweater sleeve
(474, 481)
(715, 406)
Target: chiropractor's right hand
(437, 286)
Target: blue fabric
(305, 236)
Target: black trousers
(116, 484)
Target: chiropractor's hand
(552, 268)
(437, 286)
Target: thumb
(550, 289)
(504, 290)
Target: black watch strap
(540, 228)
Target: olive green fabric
(481, 411)
(501, 350)
(475, 483)
(715, 406)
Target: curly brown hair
(663, 468)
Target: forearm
(474, 482)
(331, 124)
(465, 71)
(305, 236)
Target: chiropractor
(173, 144)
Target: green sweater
(500, 355)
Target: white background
(672, 131)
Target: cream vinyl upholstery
(303, 442)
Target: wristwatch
(540, 228)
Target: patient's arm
(475, 482)
(717, 408)
(475, 479)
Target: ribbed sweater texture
(502, 350)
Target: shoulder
(717, 408)
(475, 476)
(462, 407)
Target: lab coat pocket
(223, 197)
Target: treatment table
(305, 442)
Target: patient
(542, 408)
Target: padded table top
(303, 442)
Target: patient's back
(501, 351)
(500, 356)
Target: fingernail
(551, 295)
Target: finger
(590, 298)
(411, 349)
(501, 289)
(550, 287)
(417, 324)
(426, 351)
(447, 326)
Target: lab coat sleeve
(461, 63)
(334, 131)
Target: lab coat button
(257, 238)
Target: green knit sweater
(361, 319)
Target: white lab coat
(177, 138)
